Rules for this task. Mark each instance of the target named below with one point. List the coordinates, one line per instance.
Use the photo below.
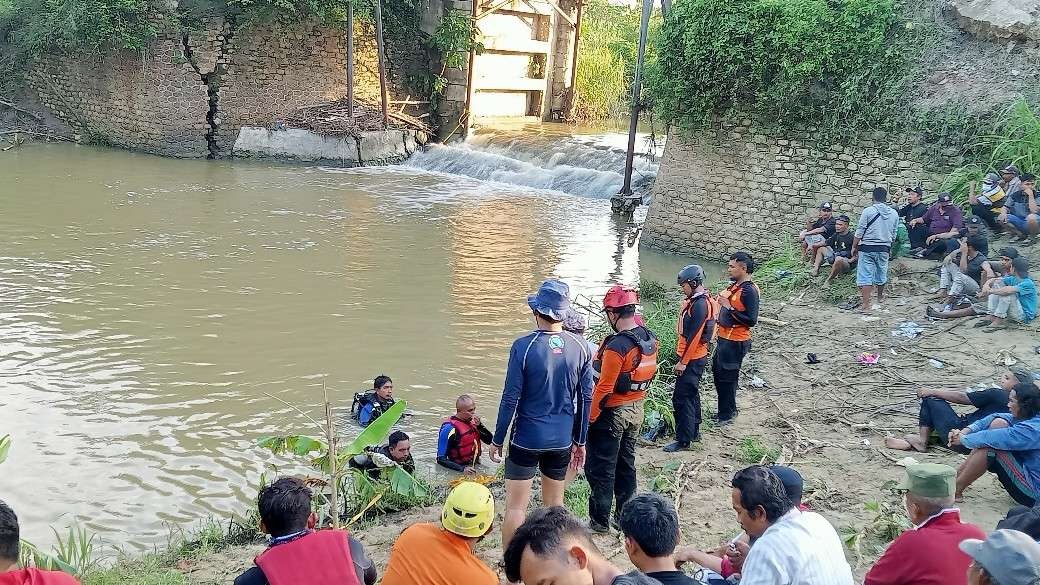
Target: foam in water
(588, 166)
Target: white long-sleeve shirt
(801, 548)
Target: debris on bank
(22, 120)
(334, 119)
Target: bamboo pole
(382, 62)
(330, 435)
(350, 59)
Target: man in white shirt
(790, 547)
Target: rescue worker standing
(624, 366)
(738, 313)
(695, 328)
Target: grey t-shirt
(634, 578)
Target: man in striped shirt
(791, 547)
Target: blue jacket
(548, 392)
(1022, 436)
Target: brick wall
(154, 102)
(735, 187)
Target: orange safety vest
(642, 373)
(699, 347)
(728, 327)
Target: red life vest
(642, 373)
(466, 449)
(319, 558)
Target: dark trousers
(918, 234)
(938, 415)
(936, 249)
(686, 401)
(725, 370)
(985, 212)
(610, 463)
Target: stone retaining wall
(735, 187)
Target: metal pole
(382, 61)
(464, 117)
(637, 86)
(574, 64)
(350, 58)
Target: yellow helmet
(469, 510)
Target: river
(150, 308)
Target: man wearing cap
(1021, 212)
(816, 232)
(1010, 180)
(1006, 557)
(1000, 267)
(973, 226)
(837, 252)
(914, 209)
(546, 399)
(927, 554)
(961, 273)
(989, 202)
(944, 220)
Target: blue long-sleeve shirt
(1022, 436)
(548, 392)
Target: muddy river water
(149, 307)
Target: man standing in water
(695, 328)
(547, 397)
(738, 313)
(624, 366)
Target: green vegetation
(455, 36)
(823, 63)
(754, 451)
(607, 59)
(576, 497)
(888, 521)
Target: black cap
(945, 198)
(974, 219)
(843, 218)
(916, 189)
(1011, 170)
(826, 206)
(1009, 252)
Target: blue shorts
(1018, 221)
(872, 268)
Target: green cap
(929, 480)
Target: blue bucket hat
(552, 299)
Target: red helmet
(620, 296)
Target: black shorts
(523, 464)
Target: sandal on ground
(982, 323)
(995, 329)
(849, 305)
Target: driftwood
(335, 119)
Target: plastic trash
(907, 329)
(866, 358)
(907, 462)
(936, 363)
(758, 382)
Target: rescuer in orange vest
(695, 328)
(623, 368)
(737, 315)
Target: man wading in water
(547, 396)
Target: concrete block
(295, 144)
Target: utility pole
(382, 61)
(623, 201)
(350, 59)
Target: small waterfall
(584, 165)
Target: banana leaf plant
(5, 447)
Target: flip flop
(810, 358)
(849, 305)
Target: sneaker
(676, 446)
(725, 421)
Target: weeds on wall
(455, 36)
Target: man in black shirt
(937, 414)
(837, 250)
(651, 528)
(815, 235)
(961, 272)
(914, 209)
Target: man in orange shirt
(737, 315)
(623, 368)
(695, 329)
(428, 554)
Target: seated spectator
(552, 546)
(791, 547)
(1014, 297)
(816, 232)
(837, 250)
(1000, 267)
(989, 202)
(914, 209)
(729, 558)
(937, 415)
(367, 407)
(398, 451)
(961, 273)
(1006, 556)
(944, 220)
(458, 444)
(1023, 519)
(973, 226)
(928, 553)
(651, 528)
(431, 554)
(10, 574)
(1010, 179)
(1005, 444)
(1021, 214)
(297, 553)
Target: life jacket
(728, 327)
(699, 347)
(466, 449)
(638, 378)
(319, 558)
